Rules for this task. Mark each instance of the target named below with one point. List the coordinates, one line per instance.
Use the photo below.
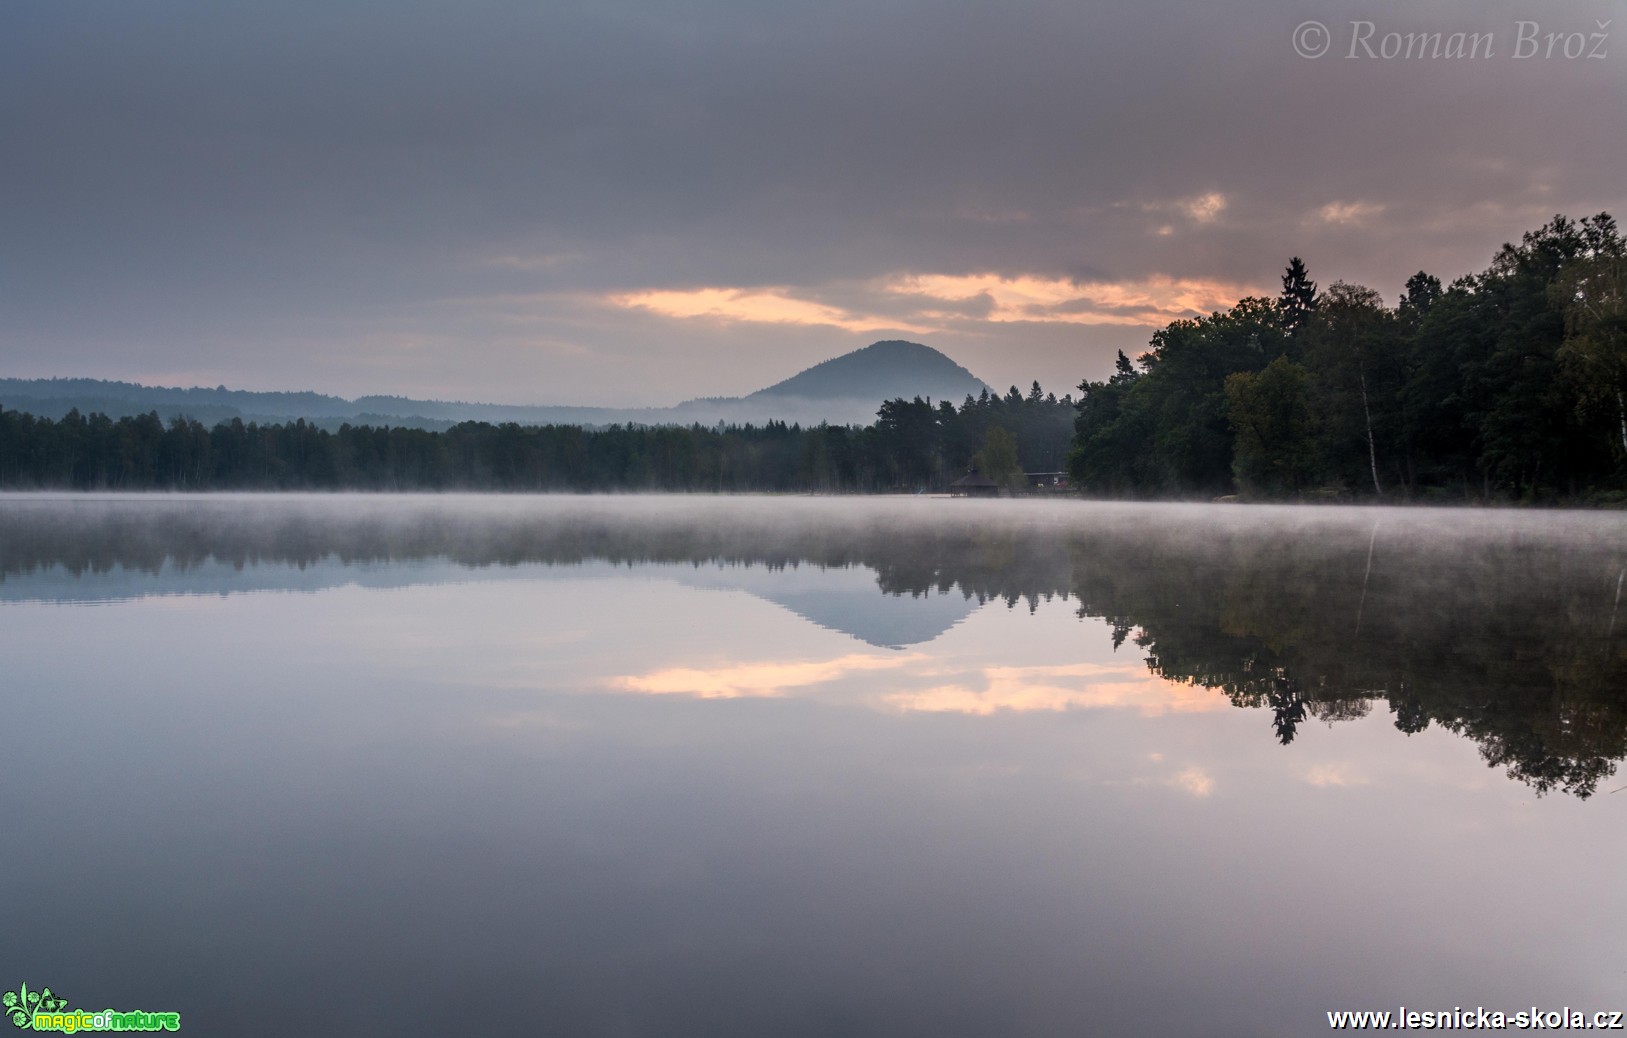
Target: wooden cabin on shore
(974, 485)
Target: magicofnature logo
(44, 1011)
(22, 1004)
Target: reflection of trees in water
(1501, 633)
(1503, 639)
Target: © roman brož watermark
(1524, 41)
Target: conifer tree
(1298, 297)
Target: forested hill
(1506, 385)
(55, 397)
(883, 370)
(843, 390)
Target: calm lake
(808, 766)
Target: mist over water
(627, 765)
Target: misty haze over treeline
(843, 390)
(1507, 385)
(913, 444)
(1497, 626)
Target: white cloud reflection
(1193, 780)
(1334, 775)
(1089, 686)
(756, 680)
(940, 687)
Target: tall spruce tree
(1298, 297)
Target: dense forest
(913, 445)
(1510, 384)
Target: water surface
(627, 766)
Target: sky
(626, 203)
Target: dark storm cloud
(300, 194)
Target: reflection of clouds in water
(1010, 793)
(761, 680)
(1325, 775)
(1193, 780)
(1496, 625)
(981, 691)
(1104, 686)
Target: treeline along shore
(913, 445)
(1507, 385)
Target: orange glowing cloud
(1147, 302)
(774, 305)
(1205, 208)
(1348, 213)
(924, 303)
(1200, 209)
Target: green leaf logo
(22, 1004)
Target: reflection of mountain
(56, 583)
(843, 599)
(1502, 627)
(846, 600)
